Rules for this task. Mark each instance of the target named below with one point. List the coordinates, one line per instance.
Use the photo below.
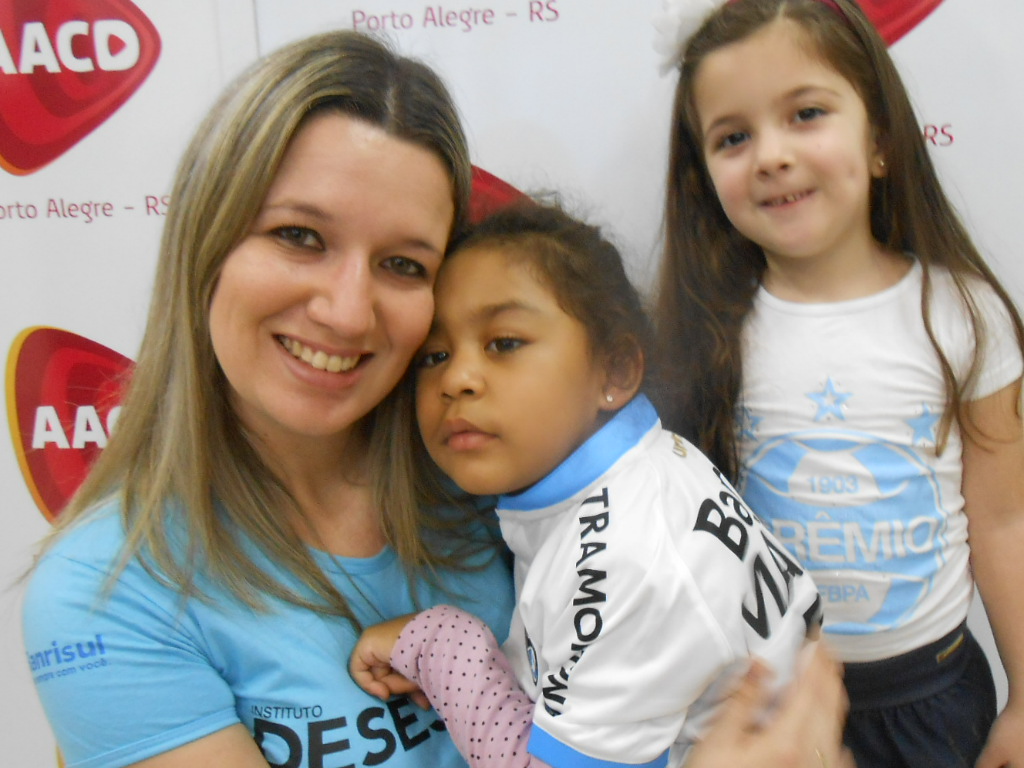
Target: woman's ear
(624, 374)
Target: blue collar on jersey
(590, 460)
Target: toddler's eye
(431, 359)
(505, 344)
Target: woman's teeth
(318, 358)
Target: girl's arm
(456, 661)
(993, 489)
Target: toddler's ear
(624, 375)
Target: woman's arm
(993, 489)
(231, 747)
(805, 730)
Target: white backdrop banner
(98, 97)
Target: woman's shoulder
(74, 568)
(94, 538)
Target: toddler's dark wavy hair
(582, 268)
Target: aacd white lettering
(40, 50)
(88, 428)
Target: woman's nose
(345, 300)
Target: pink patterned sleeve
(457, 662)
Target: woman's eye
(808, 113)
(404, 266)
(505, 344)
(431, 359)
(300, 236)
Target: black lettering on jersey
(588, 624)
(589, 599)
(590, 548)
(731, 522)
(734, 503)
(585, 593)
(762, 576)
(814, 615)
(553, 693)
(712, 519)
(593, 523)
(787, 566)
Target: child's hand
(370, 665)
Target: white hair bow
(673, 26)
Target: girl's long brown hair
(710, 272)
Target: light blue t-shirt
(142, 672)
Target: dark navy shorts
(930, 708)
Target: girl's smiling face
(789, 148)
(318, 311)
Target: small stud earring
(610, 398)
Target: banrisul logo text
(60, 659)
(65, 67)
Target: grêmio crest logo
(65, 67)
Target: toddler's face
(506, 385)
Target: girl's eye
(403, 266)
(504, 345)
(431, 359)
(299, 236)
(808, 113)
(732, 140)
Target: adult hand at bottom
(805, 729)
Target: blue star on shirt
(747, 423)
(924, 426)
(830, 401)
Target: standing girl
(641, 579)
(831, 335)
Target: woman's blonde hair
(179, 448)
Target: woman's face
(319, 309)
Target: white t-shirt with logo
(837, 421)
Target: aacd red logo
(65, 67)
(63, 399)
